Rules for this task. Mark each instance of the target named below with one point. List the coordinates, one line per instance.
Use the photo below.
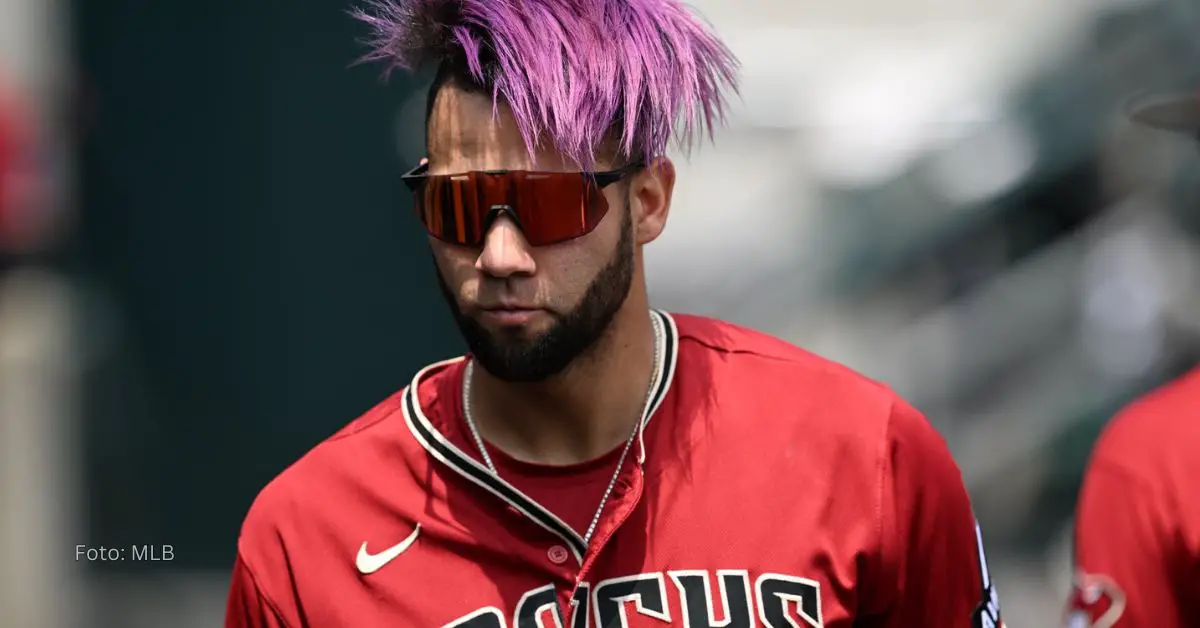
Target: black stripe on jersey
(469, 468)
(666, 375)
(442, 449)
(987, 614)
(669, 348)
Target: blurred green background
(240, 201)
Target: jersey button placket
(558, 554)
(626, 495)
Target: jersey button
(557, 554)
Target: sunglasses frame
(417, 178)
(602, 178)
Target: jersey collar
(446, 452)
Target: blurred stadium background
(207, 265)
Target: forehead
(466, 132)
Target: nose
(505, 252)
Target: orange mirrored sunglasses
(548, 207)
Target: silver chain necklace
(654, 373)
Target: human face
(525, 312)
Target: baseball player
(16, 177)
(1137, 523)
(593, 461)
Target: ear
(652, 189)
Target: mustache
(506, 303)
(499, 294)
(493, 294)
(501, 300)
(476, 309)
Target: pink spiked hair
(571, 71)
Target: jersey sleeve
(247, 607)
(933, 567)
(1122, 550)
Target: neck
(584, 412)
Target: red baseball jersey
(1137, 524)
(10, 149)
(19, 223)
(771, 488)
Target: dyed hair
(579, 73)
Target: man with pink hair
(593, 461)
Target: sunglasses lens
(555, 207)
(449, 207)
(548, 207)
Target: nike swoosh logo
(368, 563)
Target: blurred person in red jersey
(11, 142)
(22, 205)
(594, 461)
(1137, 523)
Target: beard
(571, 335)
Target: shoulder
(1157, 429)
(822, 424)
(374, 459)
(759, 367)
(310, 483)
(771, 391)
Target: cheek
(562, 277)
(562, 266)
(456, 265)
(567, 270)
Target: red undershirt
(571, 492)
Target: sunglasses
(548, 207)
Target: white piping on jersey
(458, 461)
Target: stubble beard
(571, 335)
